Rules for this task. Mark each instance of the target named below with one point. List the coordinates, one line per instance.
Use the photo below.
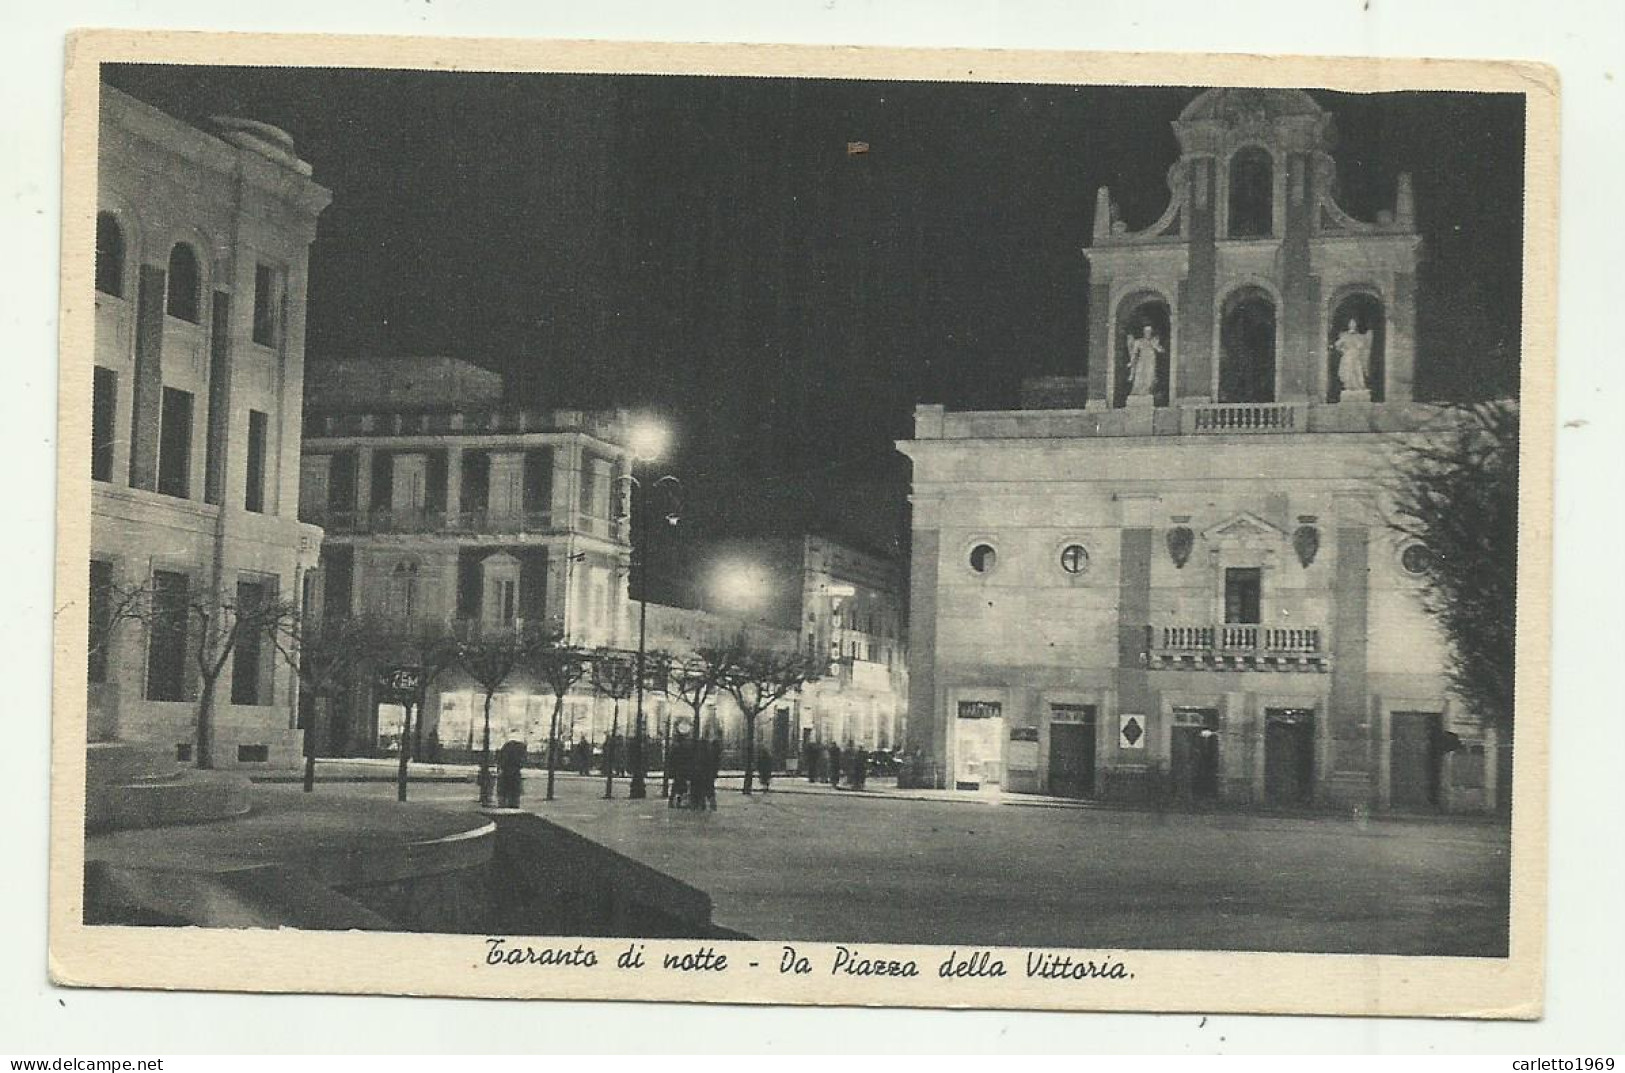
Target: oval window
(1416, 559)
(1074, 558)
(983, 558)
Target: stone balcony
(1233, 646)
(1189, 417)
(425, 521)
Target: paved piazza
(868, 868)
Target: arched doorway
(1136, 313)
(1247, 345)
(1365, 311)
(1252, 194)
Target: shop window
(109, 255)
(181, 300)
(166, 641)
(250, 673)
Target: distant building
(202, 239)
(845, 603)
(1173, 577)
(442, 503)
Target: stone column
(1352, 733)
(147, 391)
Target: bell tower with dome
(1255, 285)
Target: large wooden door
(1193, 762)
(1413, 760)
(1072, 758)
(1289, 756)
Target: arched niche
(182, 299)
(1135, 313)
(1247, 346)
(1252, 194)
(110, 255)
(1364, 309)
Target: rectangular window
(338, 579)
(253, 754)
(508, 592)
(166, 641)
(101, 610)
(254, 495)
(248, 675)
(175, 444)
(538, 480)
(1242, 588)
(103, 412)
(265, 305)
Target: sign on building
(1131, 732)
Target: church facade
(1172, 578)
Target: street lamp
(647, 440)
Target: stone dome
(1230, 104)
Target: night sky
(708, 248)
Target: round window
(983, 558)
(1074, 558)
(1416, 559)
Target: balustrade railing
(1233, 640)
(1242, 417)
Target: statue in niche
(1142, 361)
(1353, 349)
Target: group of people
(830, 763)
(693, 772)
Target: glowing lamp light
(648, 439)
(740, 585)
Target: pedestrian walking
(510, 774)
(764, 766)
(809, 760)
(682, 765)
(703, 787)
(858, 775)
(834, 766)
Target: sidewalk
(385, 770)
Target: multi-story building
(441, 503)
(1173, 576)
(843, 602)
(202, 240)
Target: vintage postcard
(804, 525)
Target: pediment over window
(1243, 528)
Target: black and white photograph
(760, 531)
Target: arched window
(1252, 194)
(1362, 315)
(182, 299)
(1247, 347)
(1143, 327)
(109, 255)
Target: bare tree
(219, 626)
(430, 646)
(329, 655)
(110, 607)
(757, 679)
(693, 681)
(490, 656)
(561, 666)
(614, 674)
(1455, 492)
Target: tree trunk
(406, 753)
(750, 750)
(552, 737)
(204, 744)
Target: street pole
(640, 553)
